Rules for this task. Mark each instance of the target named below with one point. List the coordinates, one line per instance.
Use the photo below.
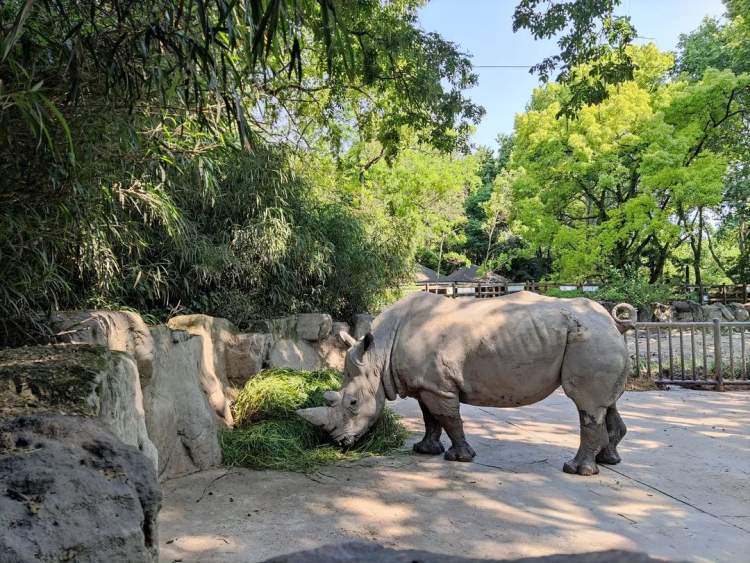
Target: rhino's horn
(318, 416)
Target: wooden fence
(482, 289)
(739, 293)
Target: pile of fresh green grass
(269, 435)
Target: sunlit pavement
(682, 491)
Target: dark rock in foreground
(352, 552)
(71, 491)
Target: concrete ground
(682, 491)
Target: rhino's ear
(368, 340)
(347, 338)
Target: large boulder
(739, 311)
(218, 336)
(298, 353)
(77, 379)
(314, 326)
(180, 420)
(246, 357)
(687, 311)
(281, 327)
(294, 354)
(332, 352)
(71, 491)
(663, 313)
(233, 356)
(121, 331)
(717, 311)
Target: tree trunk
(743, 258)
(717, 260)
(697, 247)
(489, 242)
(440, 255)
(656, 267)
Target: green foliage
(308, 59)
(423, 193)
(176, 219)
(294, 445)
(588, 33)
(566, 294)
(269, 435)
(489, 165)
(725, 46)
(252, 159)
(150, 153)
(603, 189)
(630, 287)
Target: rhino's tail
(625, 324)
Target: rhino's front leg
(446, 412)
(460, 449)
(430, 444)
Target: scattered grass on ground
(269, 435)
(641, 384)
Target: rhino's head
(351, 411)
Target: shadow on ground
(681, 492)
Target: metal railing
(691, 353)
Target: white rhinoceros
(504, 352)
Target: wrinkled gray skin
(504, 352)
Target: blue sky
(483, 28)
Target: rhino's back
(494, 352)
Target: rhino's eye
(352, 402)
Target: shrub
(171, 220)
(269, 435)
(555, 292)
(634, 289)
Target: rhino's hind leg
(430, 444)
(616, 430)
(594, 438)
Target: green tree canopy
(625, 181)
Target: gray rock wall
(689, 311)
(83, 380)
(309, 341)
(138, 406)
(121, 331)
(171, 389)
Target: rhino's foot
(608, 456)
(460, 453)
(429, 447)
(585, 468)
